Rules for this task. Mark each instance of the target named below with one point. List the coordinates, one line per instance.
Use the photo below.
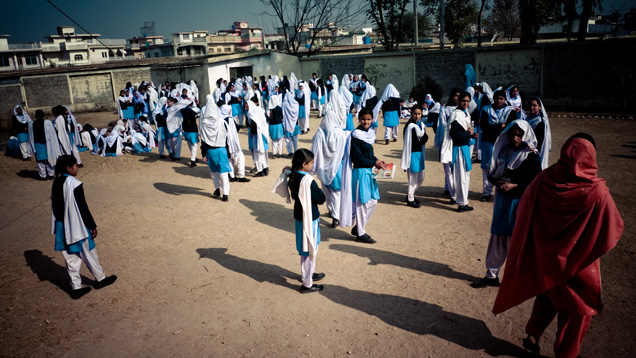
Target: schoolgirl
(413, 154)
(307, 196)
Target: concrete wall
(593, 75)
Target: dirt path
(199, 277)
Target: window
(104, 54)
(79, 58)
(30, 60)
(219, 50)
(156, 54)
(186, 36)
(228, 49)
(4, 62)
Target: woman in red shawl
(566, 221)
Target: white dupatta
(420, 131)
(328, 146)
(347, 206)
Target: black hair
(452, 92)
(301, 156)
(39, 114)
(417, 106)
(63, 162)
(364, 77)
(365, 111)
(254, 99)
(219, 103)
(314, 74)
(464, 94)
(498, 93)
(585, 136)
(536, 99)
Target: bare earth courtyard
(200, 277)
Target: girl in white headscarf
(346, 98)
(328, 146)
(290, 123)
(64, 128)
(538, 120)
(174, 120)
(413, 154)
(276, 131)
(44, 144)
(259, 131)
(20, 122)
(514, 165)
(213, 140)
(237, 159)
(305, 101)
(390, 105)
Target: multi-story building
(240, 37)
(19, 56)
(137, 45)
(69, 48)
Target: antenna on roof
(148, 29)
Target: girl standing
(307, 196)
(413, 154)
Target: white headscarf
(175, 118)
(546, 145)
(473, 104)
(346, 97)
(160, 107)
(293, 82)
(338, 106)
(514, 102)
(275, 100)
(328, 146)
(505, 158)
(290, 112)
(256, 114)
(345, 81)
(24, 118)
(334, 82)
(213, 131)
(369, 92)
(307, 94)
(420, 130)
(234, 146)
(389, 92)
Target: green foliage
(423, 26)
(504, 18)
(534, 14)
(387, 17)
(459, 15)
(375, 72)
(424, 87)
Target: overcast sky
(33, 20)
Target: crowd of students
(512, 147)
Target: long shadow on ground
(379, 257)
(424, 318)
(255, 270)
(48, 270)
(174, 189)
(404, 313)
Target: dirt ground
(201, 277)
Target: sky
(33, 20)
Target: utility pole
(415, 37)
(441, 24)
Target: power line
(82, 27)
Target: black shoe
(463, 208)
(354, 230)
(308, 129)
(485, 282)
(243, 180)
(50, 177)
(365, 239)
(290, 155)
(80, 165)
(192, 164)
(386, 142)
(27, 159)
(171, 156)
(259, 174)
(42, 179)
(162, 157)
(317, 276)
(266, 171)
(232, 180)
(452, 201)
(224, 198)
(485, 198)
(531, 343)
(313, 288)
(447, 193)
(416, 201)
(254, 170)
(413, 204)
(394, 140)
(217, 192)
(77, 294)
(107, 281)
(335, 222)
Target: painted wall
(398, 70)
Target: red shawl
(566, 220)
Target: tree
(302, 21)
(586, 12)
(459, 16)
(387, 16)
(534, 14)
(423, 26)
(504, 18)
(483, 6)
